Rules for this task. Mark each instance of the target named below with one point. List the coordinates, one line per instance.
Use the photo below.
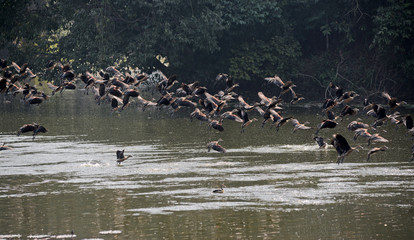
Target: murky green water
(279, 185)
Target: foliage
(351, 42)
(265, 58)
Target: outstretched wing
(120, 154)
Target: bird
(198, 115)
(297, 125)
(347, 97)
(246, 121)
(376, 138)
(347, 110)
(376, 111)
(325, 124)
(329, 104)
(375, 150)
(392, 101)
(216, 124)
(231, 116)
(320, 141)
(34, 127)
(282, 122)
(284, 86)
(221, 190)
(363, 132)
(120, 156)
(244, 105)
(296, 97)
(354, 125)
(342, 147)
(330, 115)
(216, 146)
(269, 102)
(166, 83)
(408, 122)
(339, 91)
(5, 147)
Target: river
(278, 185)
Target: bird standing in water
(120, 156)
(221, 190)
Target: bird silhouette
(325, 124)
(320, 141)
(120, 156)
(34, 127)
(342, 147)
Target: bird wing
(275, 80)
(265, 100)
(342, 143)
(386, 95)
(119, 154)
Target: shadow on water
(278, 184)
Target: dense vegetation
(363, 45)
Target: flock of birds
(120, 89)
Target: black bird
(326, 124)
(221, 190)
(215, 146)
(319, 140)
(120, 156)
(342, 147)
(330, 115)
(408, 122)
(34, 127)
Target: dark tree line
(363, 45)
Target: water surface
(279, 185)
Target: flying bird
(34, 127)
(342, 147)
(216, 146)
(120, 156)
(375, 150)
(321, 143)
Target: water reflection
(278, 184)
